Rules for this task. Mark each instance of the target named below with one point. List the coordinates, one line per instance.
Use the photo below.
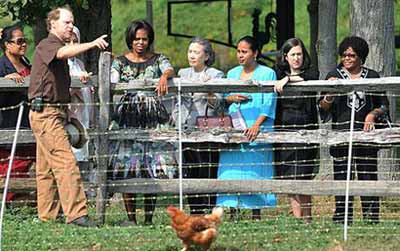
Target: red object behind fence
(20, 166)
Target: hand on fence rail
(237, 98)
(369, 124)
(85, 77)
(162, 87)
(16, 77)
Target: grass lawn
(277, 231)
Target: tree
(93, 17)
(93, 22)
(312, 9)
(326, 49)
(374, 21)
(326, 43)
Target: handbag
(222, 121)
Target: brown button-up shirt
(50, 77)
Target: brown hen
(195, 230)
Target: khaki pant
(57, 173)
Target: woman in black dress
(369, 108)
(296, 110)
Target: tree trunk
(326, 43)
(92, 23)
(149, 17)
(326, 49)
(39, 30)
(285, 19)
(374, 21)
(313, 14)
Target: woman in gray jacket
(199, 160)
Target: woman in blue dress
(252, 160)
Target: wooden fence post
(102, 138)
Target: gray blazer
(194, 104)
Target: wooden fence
(101, 137)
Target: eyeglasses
(19, 41)
(349, 55)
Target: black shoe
(84, 221)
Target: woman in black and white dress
(369, 108)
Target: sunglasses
(19, 41)
(349, 55)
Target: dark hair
(358, 44)
(133, 27)
(281, 62)
(7, 34)
(207, 48)
(54, 15)
(253, 44)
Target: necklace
(246, 75)
(352, 75)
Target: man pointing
(57, 174)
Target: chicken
(195, 230)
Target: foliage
(210, 21)
(211, 26)
(192, 19)
(30, 10)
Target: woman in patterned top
(133, 159)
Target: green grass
(277, 231)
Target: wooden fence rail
(306, 187)
(222, 85)
(382, 137)
(198, 186)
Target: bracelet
(329, 101)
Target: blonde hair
(54, 15)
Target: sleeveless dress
(131, 158)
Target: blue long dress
(250, 160)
